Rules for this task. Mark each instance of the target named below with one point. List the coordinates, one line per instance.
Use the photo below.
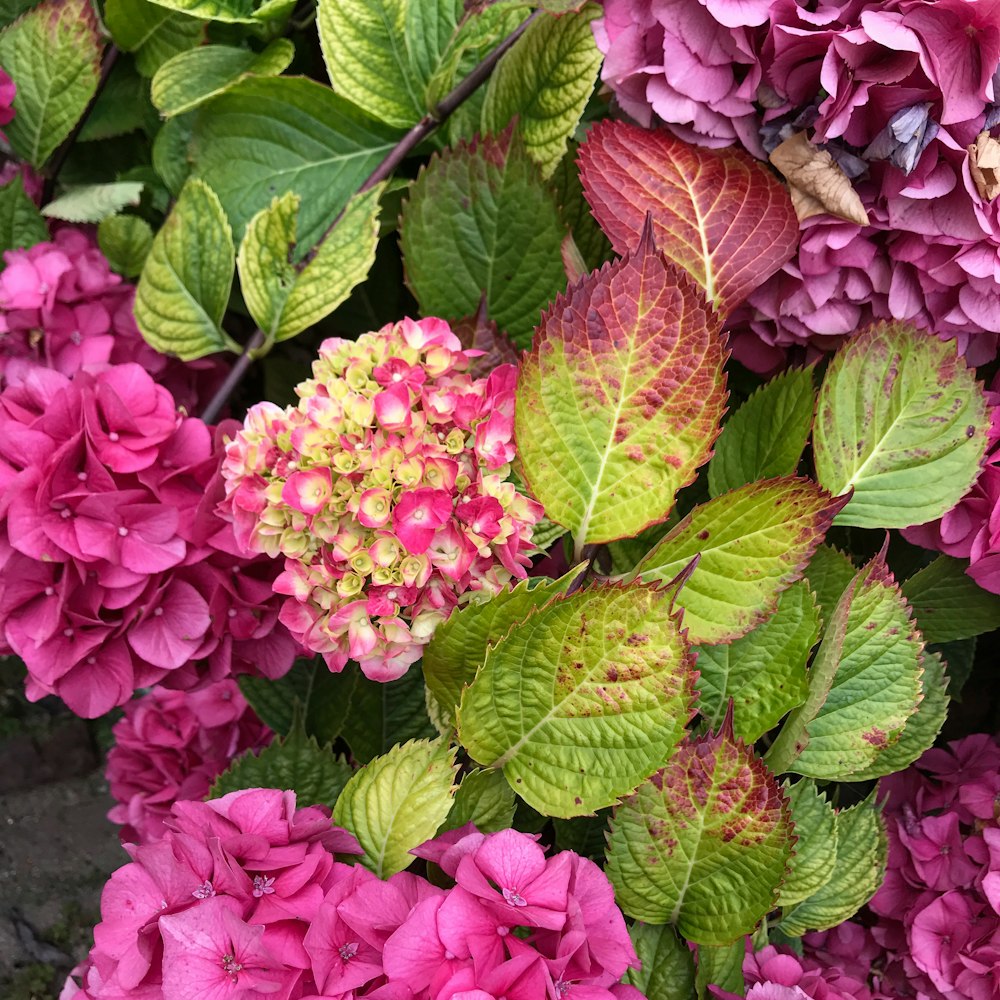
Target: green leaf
(397, 801)
(812, 864)
(667, 971)
(459, 644)
(285, 299)
(587, 234)
(21, 224)
(11, 10)
(830, 573)
(126, 241)
(185, 284)
(902, 421)
(921, 729)
(583, 700)
(752, 544)
(766, 436)
(227, 11)
(366, 57)
(94, 202)
(620, 398)
(297, 763)
(191, 78)
(170, 153)
(586, 835)
(856, 874)
(722, 966)
(959, 659)
(544, 82)
(479, 222)
(703, 844)
(483, 798)
(764, 672)
(53, 54)
(863, 685)
(268, 136)
(276, 701)
(122, 107)
(948, 604)
(382, 715)
(152, 33)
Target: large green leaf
(458, 648)
(703, 844)
(583, 700)
(948, 604)
(185, 284)
(21, 224)
(151, 33)
(667, 971)
(764, 672)
(855, 875)
(543, 83)
(190, 78)
(864, 683)
(902, 421)
(479, 222)
(285, 299)
(812, 864)
(397, 801)
(484, 798)
(765, 437)
(751, 544)
(53, 54)
(717, 213)
(269, 136)
(620, 398)
(829, 573)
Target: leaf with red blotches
(864, 685)
(754, 542)
(717, 213)
(478, 333)
(704, 843)
(621, 397)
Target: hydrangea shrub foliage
(370, 431)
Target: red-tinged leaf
(479, 333)
(620, 399)
(718, 213)
(704, 843)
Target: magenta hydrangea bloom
(244, 898)
(172, 745)
(8, 91)
(385, 491)
(116, 571)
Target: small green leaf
(752, 543)
(667, 971)
(268, 136)
(864, 683)
(902, 421)
(297, 763)
(21, 224)
(812, 864)
(53, 54)
(126, 241)
(607, 429)
(227, 11)
(485, 799)
(582, 700)
(192, 77)
(152, 33)
(185, 284)
(764, 672)
(722, 966)
(948, 604)
(285, 299)
(544, 82)
(856, 874)
(94, 202)
(766, 436)
(459, 645)
(703, 844)
(829, 573)
(397, 801)
(480, 222)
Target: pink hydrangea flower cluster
(244, 897)
(8, 91)
(171, 746)
(386, 492)
(897, 91)
(62, 307)
(935, 923)
(116, 571)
